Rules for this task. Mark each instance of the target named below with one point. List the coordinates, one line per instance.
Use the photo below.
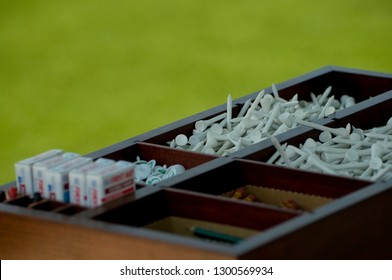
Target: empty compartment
(48, 205)
(273, 185)
(159, 160)
(69, 210)
(356, 145)
(24, 200)
(180, 212)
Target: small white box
(40, 168)
(100, 170)
(56, 178)
(109, 183)
(24, 171)
(78, 182)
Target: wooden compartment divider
(153, 223)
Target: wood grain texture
(355, 225)
(23, 237)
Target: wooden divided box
(236, 206)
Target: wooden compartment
(70, 210)
(152, 223)
(24, 201)
(162, 155)
(344, 81)
(280, 198)
(225, 178)
(56, 207)
(374, 113)
(209, 231)
(187, 210)
(27, 201)
(48, 205)
(362, 85)
(187, 126)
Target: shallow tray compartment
(237, 173)
(56, 207)
(162, 155)
(48, 205)
(70, 210)
(150, 224)
(24, 201)
(362, 85)
(376, 113)
(199, 209)
(186, 126)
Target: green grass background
(81, 75)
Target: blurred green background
(81, 75)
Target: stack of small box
(71, 178)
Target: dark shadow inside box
(168, 203)
(70, 210)
(48, 205)
(21, 201)
(376, 113)
(240, 173)
(358, 85)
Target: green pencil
(214, 235)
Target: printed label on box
(78, 184)
(111, 183)
(24, 171)
(57, 182)
(40, 168)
